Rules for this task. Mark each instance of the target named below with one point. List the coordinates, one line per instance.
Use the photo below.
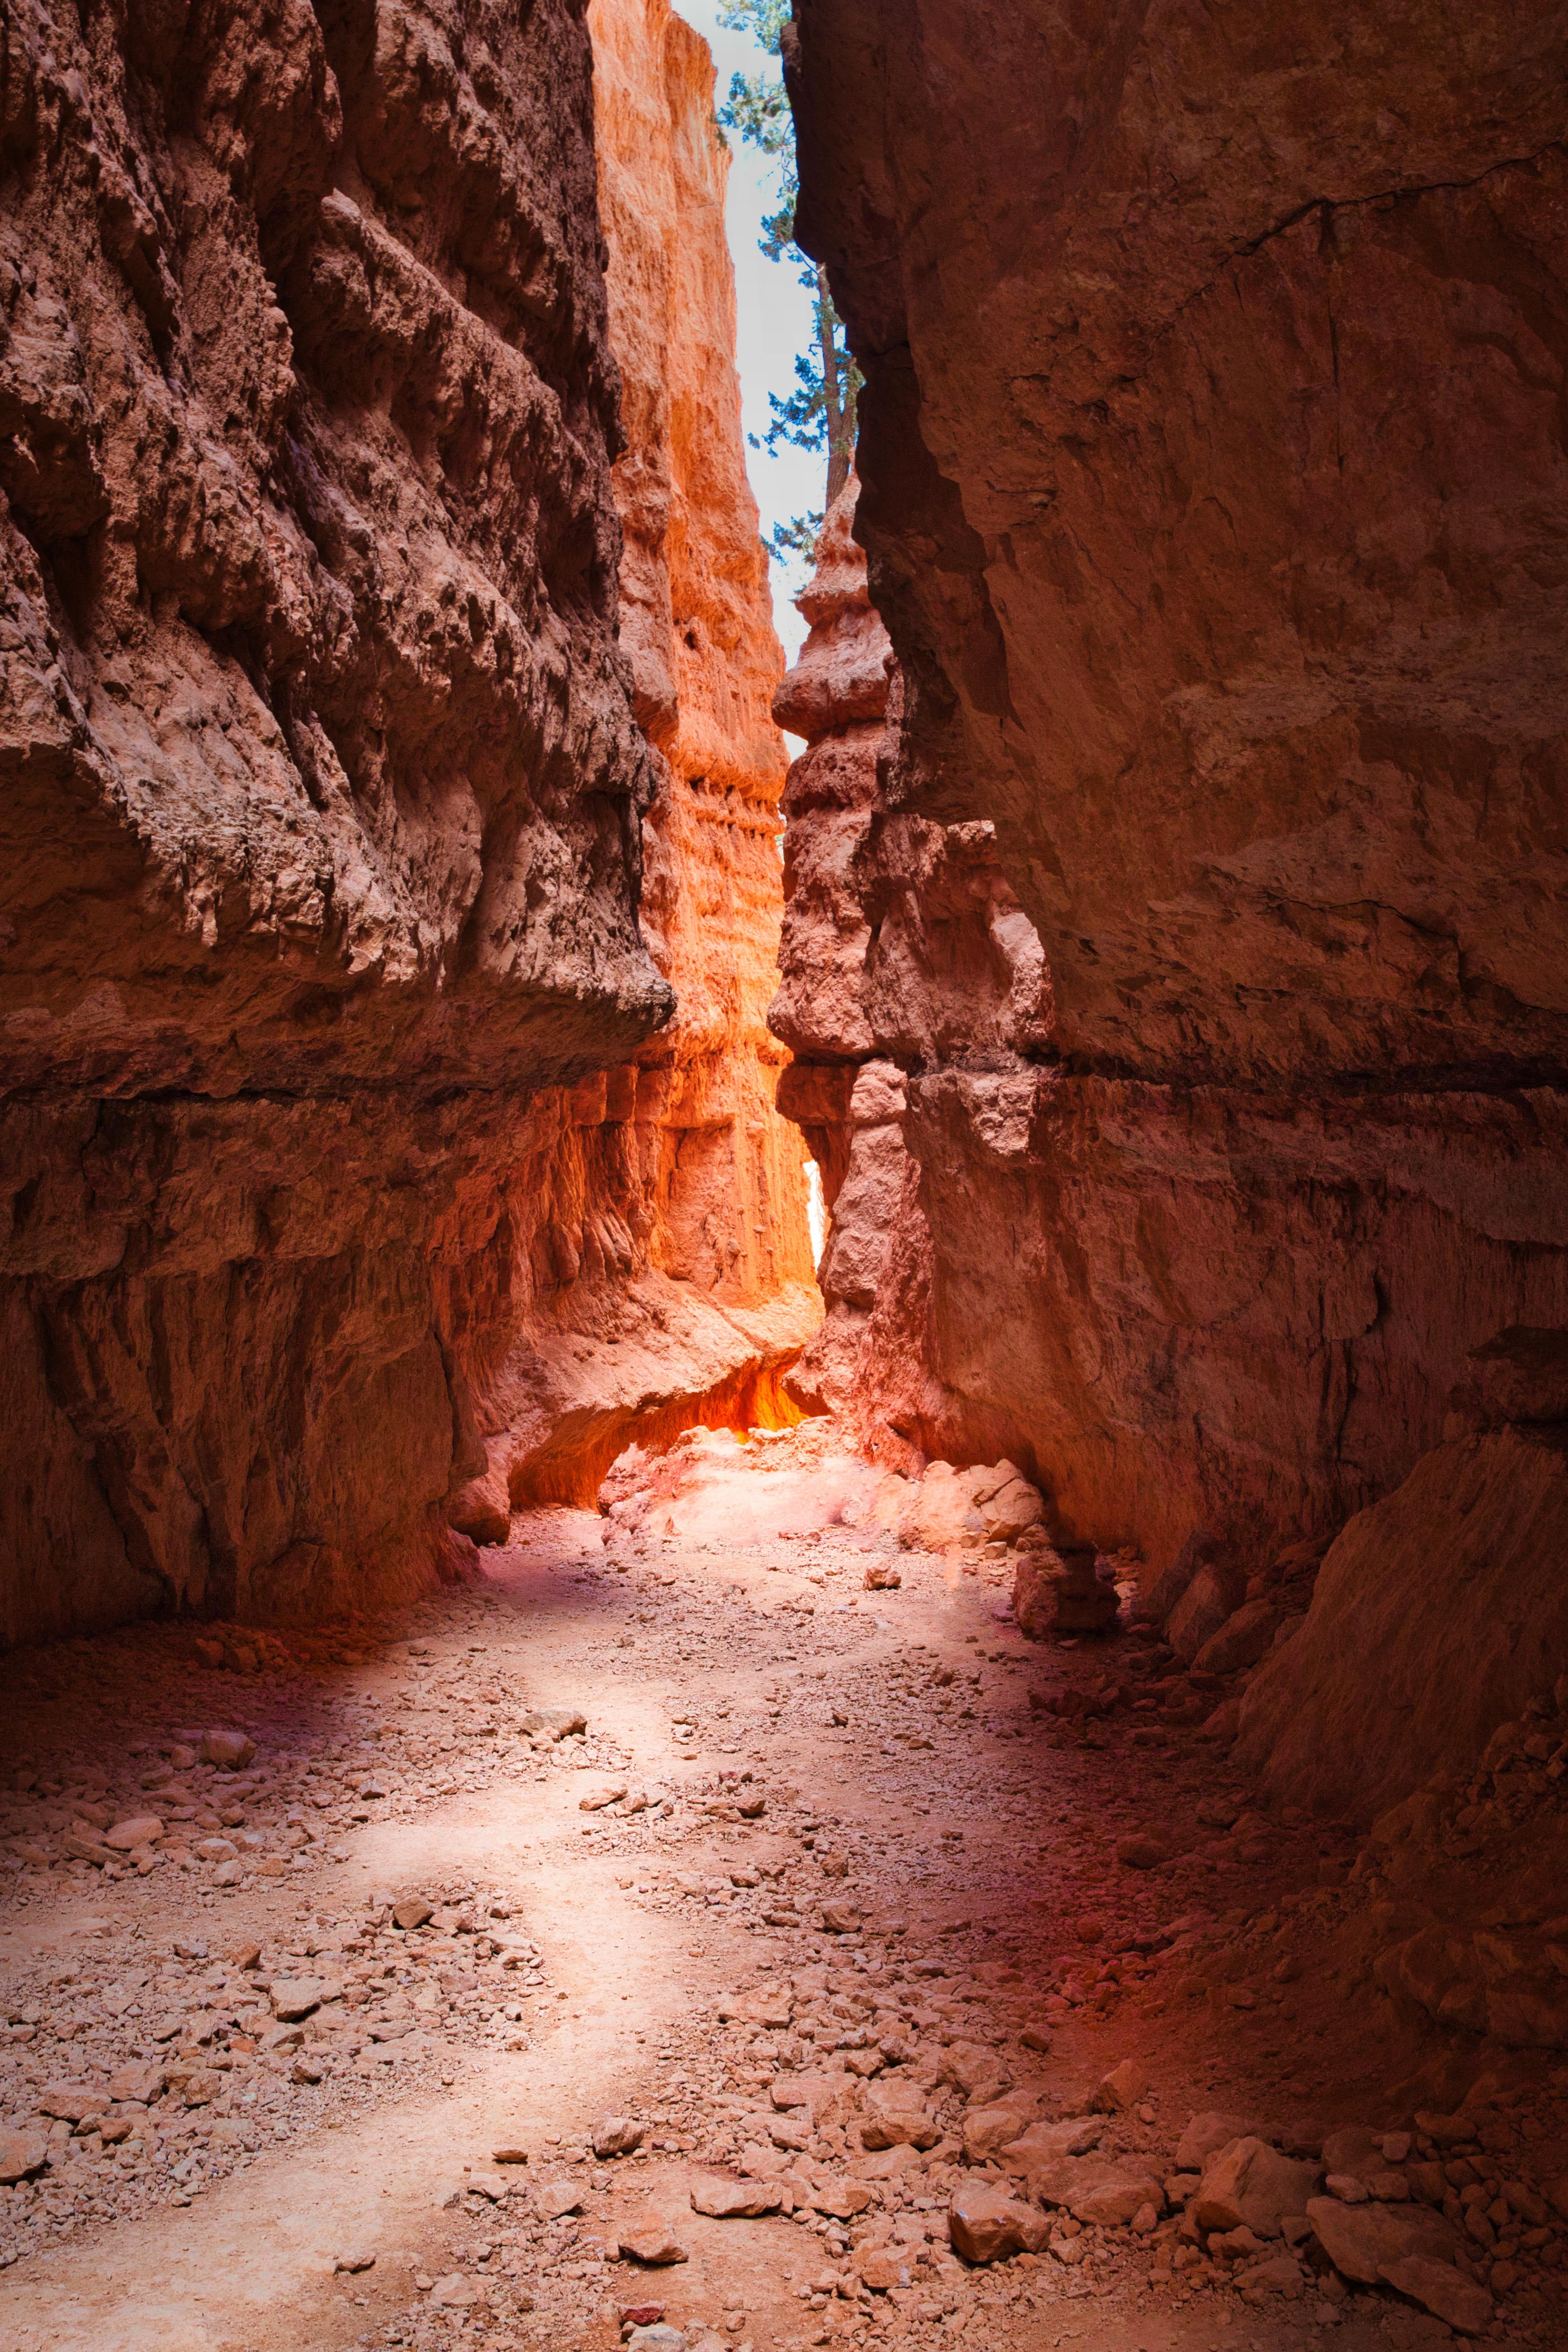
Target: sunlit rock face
(1214, 495)
(322, 780)
(663, 1255)
(323, 787)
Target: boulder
(227, 1750)
(1214, 1594)
(1204, 2136)
(653, 2244)
(1440, 1612)
(1250, 2186)
(986, 2129)
(1122, 2088)
(1037, 2152)
(985, 2226)
(1443, 2291)
(1095, 2189)
(1059, 1590)
(1361, 2240)
(735, 2201)
(1015, 1506)
(1247, 1635)
(977, 2072)
(138, 1829)
(896, 2116)
(1158, 1599)
(22, 2153)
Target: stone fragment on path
(599, 1794)
(1092, 2188)
(136, 1830)
(896, 2116)
(977, 2072)
(1247, 2184)
(136, 2084)
(659, 2338)
(355, 2263)
(1141, 1853)
(21, 2153)
(412, 1912)
(735, 2201)
(617, 2135)
(653, 2243)
(1204, 2136)
(1122, 2088)
(988, 2226)
(294, 1999)
(986, 2129)
(1443, 2291)
(79, 1848)
(455, 2293)
(549, 1725)
(227, 1750)
(553, 2199)
(882, 2268)
(841, 2200)
(70, 2102)
(508, 2156)
(1361, 2241)
(880, 1578)
(1045, 2146)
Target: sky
(773, 320)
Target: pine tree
(820, 413)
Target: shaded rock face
(1212, 491)
(913, 991)
(1440, 1612)
(667, 1271)
(322, 789)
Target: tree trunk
(835, 398)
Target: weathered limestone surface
(1215, 498)
(321, 810)
(675, 1276)
(913, 991)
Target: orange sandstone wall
(660, 1256)
(320, 779)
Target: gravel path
(719, 1843)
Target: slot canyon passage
(572, 1774)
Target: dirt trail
(845, 1853)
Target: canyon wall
(323, 793)
(913, 991)
(675, 1280)
(1214, 493)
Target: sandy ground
(935, 1869)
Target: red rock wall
(321, 794)
(1214, 493)
(666, 1275)
(913, 991)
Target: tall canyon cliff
(322, 802)
(1214, 496)
(678, 1282)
